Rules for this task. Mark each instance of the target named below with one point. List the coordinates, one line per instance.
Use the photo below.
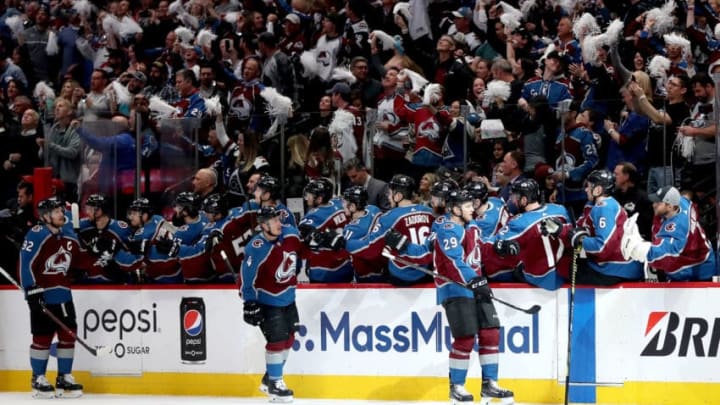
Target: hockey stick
(532, 310)
(96, 351)
(571, 313)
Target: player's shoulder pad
(37, 228)
(122, 224)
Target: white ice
(7, 398)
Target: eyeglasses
(673, 84)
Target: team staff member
(267, 285)
(46, 256)
(457, 255)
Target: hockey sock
(65, 352)
(489, 340)
(288, 346)
(39, 354)
(274, 358)
(460, 358)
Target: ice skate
(459, 395)
(278, 391)
(493, 394)
(66, 387)
(41, 387)
(264, 383)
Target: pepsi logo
(193, 322)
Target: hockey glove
(103, 246)
(551, 227)
(137, 247)
(332, 240)
(396, 240)
(480, 288)
(34, 297)
(577, 235)
(215, 237)
(168, 246)
(306, 233)
(252, 314)
(506, 247)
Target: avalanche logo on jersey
(193, 322)
(670, 227)
(429, 129)
(323, 57)
(59, 262)
(473, 259)
(567, 165)
(287, 268)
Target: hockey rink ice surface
(99, 399)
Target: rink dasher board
(365, 343)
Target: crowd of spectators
(495, 91)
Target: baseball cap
(139, 76)
(462, 12)
(667, 194)
(340, 88)
(292, 18)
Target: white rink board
(686, 322)
(354, 331)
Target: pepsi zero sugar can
(192, 330)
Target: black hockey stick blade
(532, 310)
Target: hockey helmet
(403, 184)
(215, 204)
(141, 205)
(98, 201)
(527, 188)
(189, 202)
(48, 205)
(457, 197)
(602, 178)
(265, 214)
(442, 188)
(356, 195)
(478, 190)
(269, 184)
(320, 187)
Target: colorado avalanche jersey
(430, 131)
(268, 273)
(190, 233)
(555, 90)
(457, 255)
(390, 143)
(158, 267)
(494, 218)
(325, 265)
(95, 269)
(195, 261)
(192, 106)
(237, 231)
(580, 158)
(545, 259)
(605, 222)
(413, 221)
(366, 270)
(45, 260)
(680, 248)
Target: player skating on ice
(45, 260)
(267, 285)
(470, 312)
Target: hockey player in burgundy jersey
(411, 220)
(187, 217)
(679, 250)
(46, 256)
(362, 220)
(325, 214)
(100, 238)
(490, 212)
(267, 286)
(470, 312)
(142, 255)
(195, 258)
(267, 193)
(542, 260)
(601, 235)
